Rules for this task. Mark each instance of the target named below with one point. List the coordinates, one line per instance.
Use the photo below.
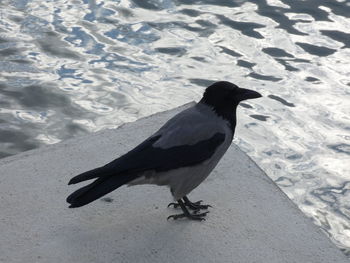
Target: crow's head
(224, 95)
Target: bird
(180, 155)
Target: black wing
(147, 157)
(144, 157)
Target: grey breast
(189, 127)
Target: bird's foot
(191, 205)
(195, 216)
(195, 205)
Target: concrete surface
(251, 219)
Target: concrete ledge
(251, 219)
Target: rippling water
(72, 67)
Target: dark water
(68, 68)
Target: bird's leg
(186, 213)
(193, 206)
(196, 205)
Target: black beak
(246, 94)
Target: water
(68, 68)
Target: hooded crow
(180, 155)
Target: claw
(197, 217)
(176, 205)
(195, 205)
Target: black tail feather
(97, 189)
(95, 173)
